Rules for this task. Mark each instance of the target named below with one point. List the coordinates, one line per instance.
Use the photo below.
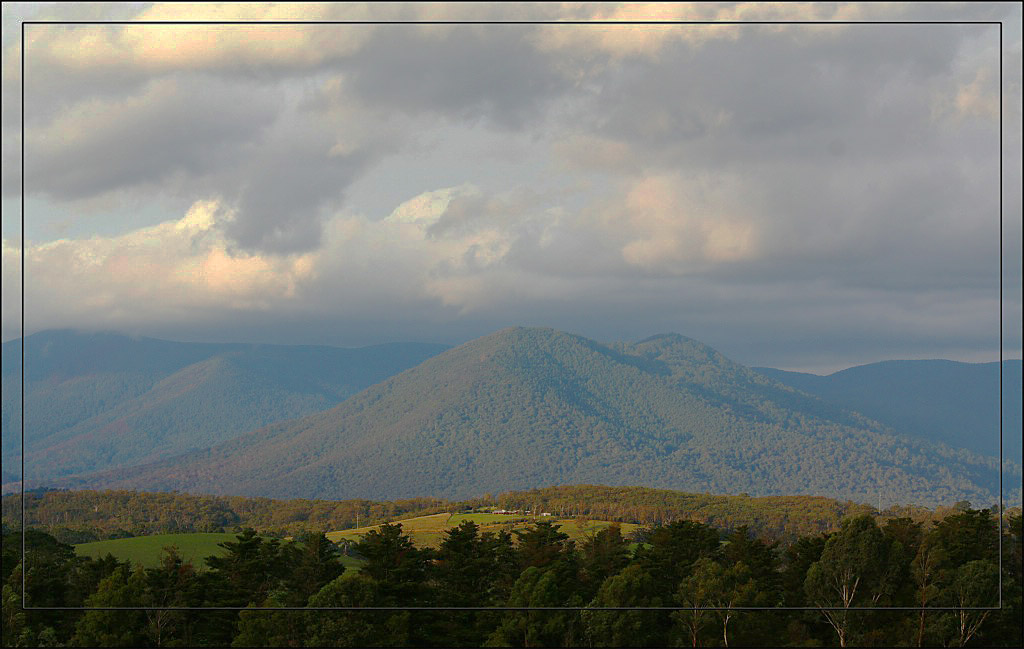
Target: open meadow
(146, 550)
(428, 531)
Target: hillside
(528, 407)
(97, 401)
(944, 401)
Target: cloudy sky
(806, 197)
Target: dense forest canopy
(688, 583)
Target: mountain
(524, 408)
(96, 401)
(944, 401)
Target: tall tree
(398, 566)
(314, 561)
(470, 570)
(172, 584)
(251, 567)
(672, 551)
(540, 588)
(924, 571)
(603, 555)
(974, 584)
(632, 587)
(542, 544)
(968, 535)
(856, 569)
(99, 628)
(355, 628)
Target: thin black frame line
(1000, 315)
(572, 22)
(23, 590)
(513, 608)
(512, 22)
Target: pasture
(194, 547)
(146, 550)
(428, 531)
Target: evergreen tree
(539, 588)
(542, 544)
(355, 628)
(172, 584)
(123, 588)
(471, 570)
(250, 569)
(672, 552)
(603, 555)
(632, 587)
(398, 566)
(314, 561)
(271, 628)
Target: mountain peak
(666, 337)
(515, 336)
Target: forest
(82, 516)
(688, 583)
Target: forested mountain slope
(96, 401)
(523, 408)
(945, 401)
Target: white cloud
(676, 224)
(154, 274)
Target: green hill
(523, 408)
(97, 401)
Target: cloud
(471, 73)
(160, 273)
(276, 157)
(821, 183)
(678, 222)
(189, 127)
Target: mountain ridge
(525, 406)
(94, 399)
(948, 401)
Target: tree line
(81, 516)
(688, 584)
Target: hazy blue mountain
(96, 401)
(525, 408)
(946, 401)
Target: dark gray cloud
(286, 191)
(186, 127)
(489, 72)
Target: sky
(807, 197)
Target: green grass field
(146, 550)
(428, 531)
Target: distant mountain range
(944, 401)
(525, 408)
(97, 401)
